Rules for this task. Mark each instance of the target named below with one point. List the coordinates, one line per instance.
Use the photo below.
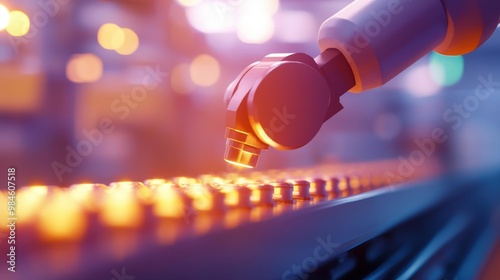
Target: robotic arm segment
(283, 100)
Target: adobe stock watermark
(223, 7)
(455, 116)
(121, 106)
(121, 276)
(321, 253)
(47, 9)
(189, 213)
(373, 28)
(281, 119)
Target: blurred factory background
(101, 91)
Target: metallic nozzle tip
(241, 154)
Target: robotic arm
(282, 100)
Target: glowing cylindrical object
(61, 219)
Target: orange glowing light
(239, 196)
(155, 182)
(143, 193)
(204, 70)
(202, 198)
(343, 187)
(169, 203)
(238, 164)
(277, 191)
(130, 42)
(232, 196)
(242, 180)
(256, 195)
(355, 183)
(38, 190)
(121, 209)
(128, 186)
(84, 68)
(283, 191)
(217, 181)
(196, 190)
(212, 180)
(110, 36)
(184, 181)
(203, 203)
(19, 24)
(86, 195)
(61, 219)
(30, 200)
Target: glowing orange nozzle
(239, 151)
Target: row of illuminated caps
(66, 213)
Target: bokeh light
(204, 70)
(251, 20)
(169, 203)
(263, 7)
(256, 25)
(130, 43)
(110, 36)
(188, 3)
(4, 17)
(255, 29)
(419, 83)
(446, 70)
(121, 209)
(19, 24)
(84, 68)
(62, 219)
(212, 17)
(273, 5)
(32, 200)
